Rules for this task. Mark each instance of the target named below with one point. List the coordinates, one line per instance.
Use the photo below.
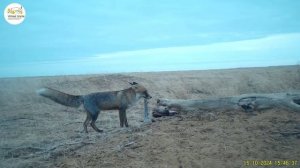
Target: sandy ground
(36, 132)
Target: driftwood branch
(247, 102)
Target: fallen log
(246, 102)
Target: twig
(289, 133)
(13, 119)
(130, 143)
(73, 122)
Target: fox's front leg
(123, 118)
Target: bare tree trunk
(247, 102)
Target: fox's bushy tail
(60, 97)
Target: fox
(94, 103)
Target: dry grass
(36, 132)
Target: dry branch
(247, 102)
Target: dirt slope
(36, 132)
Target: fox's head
(140, 90)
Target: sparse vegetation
(36, 132)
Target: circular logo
(14, 13)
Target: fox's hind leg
(86, 122)
(95, 127)
(93, 112)
(94, 118)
